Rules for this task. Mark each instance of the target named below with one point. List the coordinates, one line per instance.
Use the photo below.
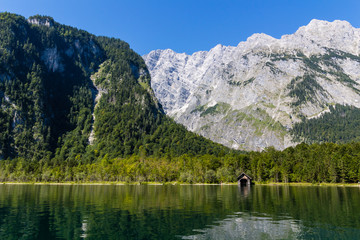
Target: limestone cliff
(249, 96)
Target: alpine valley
(75, 107)
(266, 91)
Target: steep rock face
(41, 20)
(250, 96)
(44, 67)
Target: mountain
(266, 91)
(68, 95)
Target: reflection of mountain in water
(175, 212)
(246, 226)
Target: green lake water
(178, 212)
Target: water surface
(178, 212)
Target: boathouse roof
(242, 175)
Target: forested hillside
(340, 125)
(51, 75)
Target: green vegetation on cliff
(48, 98)
(340, 125)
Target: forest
(341, 124)
(316, 163)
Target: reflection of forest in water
(167, 212)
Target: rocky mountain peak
(260, 38)
(250, 96)
(337, 34)
(322, 26)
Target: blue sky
(186, 25)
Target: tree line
(316, 163)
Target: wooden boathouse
(244, 180)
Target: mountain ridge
(266, 84)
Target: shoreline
(305, 184)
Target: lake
(178, 212)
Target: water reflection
(244, 190)
(248, 226)
(289, 212)
(175, 212)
